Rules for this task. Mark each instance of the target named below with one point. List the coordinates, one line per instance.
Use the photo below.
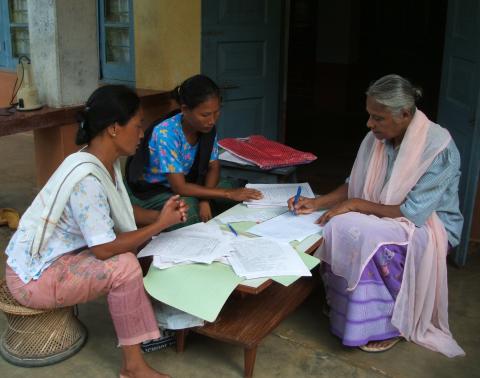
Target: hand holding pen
(303, 206)
(295, 199)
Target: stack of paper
(288, 226)
(228, 156)
(262, 257)
(198, 243)
(277, 195)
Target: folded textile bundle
(265, 153)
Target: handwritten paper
(275, 195)
(289, 227)
(262, 257)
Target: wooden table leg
(180, 336)
(250, 355)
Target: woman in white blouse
(78, 239)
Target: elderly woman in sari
(388, 228)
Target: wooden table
(253, 313)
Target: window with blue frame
(117, 59)
(14, 40)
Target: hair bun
(417, 93)
(82, 133)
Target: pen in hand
(232, 229)
(297, 197)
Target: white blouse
(85, 222)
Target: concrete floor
(300, 347)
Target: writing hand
(303, 206)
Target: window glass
(19, 27)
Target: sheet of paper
(160, 264)
(278, 194)
(288, 226)
(310, 261)
(262, 257)
(197, 243)
(255, 282)
(228, 156)
(197, 289)
(255, 215)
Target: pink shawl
(421, 308)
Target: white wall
(64, 49)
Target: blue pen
(232, 229)
(297, 197)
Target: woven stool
(38, 337)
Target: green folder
(197, 289)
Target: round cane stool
(38, 337)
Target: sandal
(389, 344)
(9, 217)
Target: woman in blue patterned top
(181, 155)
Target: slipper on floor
(9, 217)
(376, 349)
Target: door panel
(242, 116)
(241, 52)
(458, 102)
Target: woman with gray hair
(389, 227)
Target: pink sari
(421, 308)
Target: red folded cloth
(265, 153)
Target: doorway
(335, 50)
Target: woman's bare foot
(381, 345)
(143, 372)
(134, 365)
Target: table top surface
(202, 290)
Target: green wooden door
(459, 103)
(241, 52)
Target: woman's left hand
(204, 211)
(342, 208)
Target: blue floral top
(170, 151)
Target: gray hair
(395, 93)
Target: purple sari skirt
(365, 314)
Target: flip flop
(376, 349)
(9, 217)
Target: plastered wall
(7, 80)
(167, 42)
